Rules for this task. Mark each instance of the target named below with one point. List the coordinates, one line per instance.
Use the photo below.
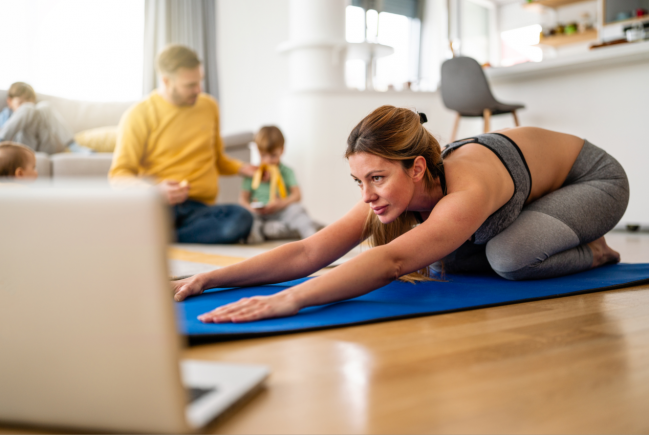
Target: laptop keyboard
(195, 393)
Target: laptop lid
(87, 331)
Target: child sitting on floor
(274, 203)
(17, 161)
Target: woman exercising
(524, 202)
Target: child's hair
(396, 134)
(22, 90)
(12, 157)
(269, 138)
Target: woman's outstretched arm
(451, 223)
(287, 262)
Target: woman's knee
(509, 259)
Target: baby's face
(29, 172)
(272, 158)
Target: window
(393, 23)
(518, 45)
(477, 27)
(78, 49)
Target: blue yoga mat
(398, 300)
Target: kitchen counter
(615, 54)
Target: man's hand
(173, 191)
(248, 170)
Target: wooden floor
(568, 365)
(577, 364)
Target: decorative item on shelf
(570, 29)
(625, 15)
(568, 34)
(585, 22)
(637, 32)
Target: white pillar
(316, 48)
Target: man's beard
(179, 100)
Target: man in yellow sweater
(172, 137)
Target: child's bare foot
(602, 253)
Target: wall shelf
(629, 21)
(557, 40)
(553, 3)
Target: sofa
(83, 115)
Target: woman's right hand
(255, 308)
(184, 288)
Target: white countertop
(614, 54)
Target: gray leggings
(549, 237)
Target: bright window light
(394, 30)
(372, 18)
(518, 45)
(355, 24)
(475, 31)
(397, 31)
(77, 49)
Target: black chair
(465, 90)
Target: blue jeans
(196, 222)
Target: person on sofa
(37, 126)
(172, 137)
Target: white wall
(605, 104)
(252, 75)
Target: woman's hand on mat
(256, 308)
(173, 191)
(184, 288)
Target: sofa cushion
(101, 139)
(81, 115)
(80, 165)
(43, 165)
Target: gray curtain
(187, 22)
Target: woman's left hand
(255, 308)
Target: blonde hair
(396, 134)
(22, 90)
(174, 57)
(12, 157)
(269, 138)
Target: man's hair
(12, 157)
(22, 90)
(269, 138)
(174, 57)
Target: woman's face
(385, 186)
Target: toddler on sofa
(275, 203)
(17, 161)
(36, 125)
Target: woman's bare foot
(602, 253)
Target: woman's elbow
(394, 265)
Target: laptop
(88, 334)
